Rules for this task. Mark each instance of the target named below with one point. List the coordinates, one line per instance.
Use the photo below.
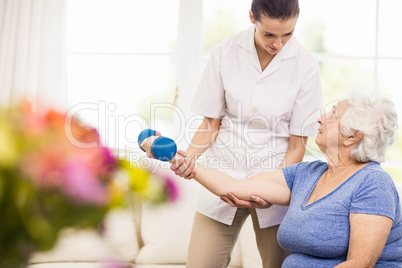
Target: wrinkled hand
(147, 143)
(183, 167)
(234, 201)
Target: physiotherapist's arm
(368, 235)
(204, 137)
(295, 151)
(201, 141)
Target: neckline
(305, 207)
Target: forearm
(292, 157)
(295, 152)
(215, 181)
(271, 186)
(203, 138)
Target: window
(354, 42)
(359, 51)
(122, 55)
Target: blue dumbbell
(162, 148)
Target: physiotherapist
(260, 96)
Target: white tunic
(259, 111)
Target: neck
(341, 162)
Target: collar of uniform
(246, 41)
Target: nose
(278, 43)
(321, 119)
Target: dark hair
(275, 9)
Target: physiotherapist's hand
(184, 167)
(234, 201)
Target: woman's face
(329, 136)
(272, 34)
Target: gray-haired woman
(345, 212)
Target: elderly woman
(345, 212)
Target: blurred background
(124, 65)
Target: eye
(331, 114)
(268, 35)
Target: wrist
(192, 155)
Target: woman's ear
(355, 138)
(251, 15)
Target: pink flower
(109, 160)
(114, 264)
(171, 188)
(80, 181)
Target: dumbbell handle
(162, 148)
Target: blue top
(317, 235)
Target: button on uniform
(259, 82)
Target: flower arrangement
(48, 182)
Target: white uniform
(259, 111)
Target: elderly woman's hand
(184, 167)
(234, 201)
(181, 165)
(147, 143)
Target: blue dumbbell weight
(162, 148)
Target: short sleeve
(308, 105)
(290, 174)
(209, 99)
(376, 195)
(297, 175)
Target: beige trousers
(212, 242)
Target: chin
(319, 144)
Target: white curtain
(188, 62)
(189, 52)
(32, 52)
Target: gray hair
(374, 115)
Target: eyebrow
(275, 34)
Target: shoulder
(310, 167)
(373, 176)
(374, 173)
(240, 40)
(303, 171)
(375, 192)
(298, 53)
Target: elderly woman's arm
(270, 186)
(294, 154)
(368, 234)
